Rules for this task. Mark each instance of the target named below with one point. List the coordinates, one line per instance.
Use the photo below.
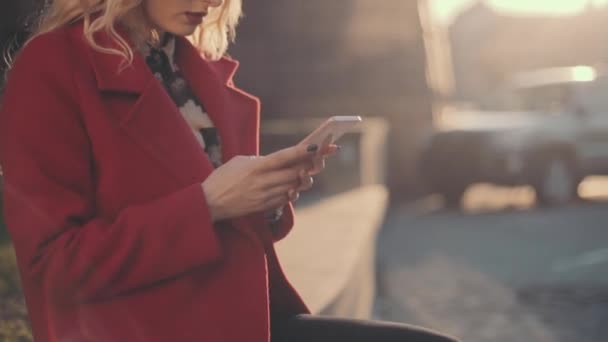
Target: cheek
(158, 12)
(172, 23)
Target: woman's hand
(312, 168)
(319, 160)
(326, 149)
(246, 185)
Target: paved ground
(499, 271)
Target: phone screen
(332, 130)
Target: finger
(280, 190)
(306, 181)
(326, 143)
(331, 150)
(324, 147)
(289, 156)
(280, 177)
(319, 165)
(276, 201)
(293, 195)
(305, 165)
(308, 184)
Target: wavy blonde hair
(211, 38)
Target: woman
(134, 195)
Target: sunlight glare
(583, 74)
(540, 6)
(445, 10)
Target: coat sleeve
(283, 226)
(274, 231)
(49, 197)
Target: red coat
(104, 204)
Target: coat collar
(113, 74)
(151, 118)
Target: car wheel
(557, 183)
(452, 198)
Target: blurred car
(556, 136)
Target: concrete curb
(329, 256)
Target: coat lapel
(148, 115)
(210, 88)
(153, 121)
(234, 112)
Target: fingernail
(312, 148)
(338, 147)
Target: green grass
(4, 237)
(9, 273)
(14, 324)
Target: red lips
(195, 18)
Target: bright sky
(445, 10)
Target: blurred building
(313, 58)
(488, 47)
(440, 77)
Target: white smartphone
(331, 130)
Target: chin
(183, 31)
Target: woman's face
(179, 17)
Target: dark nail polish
(312, 148)
(338, 147)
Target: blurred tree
(16, 20)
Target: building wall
(318, 58)
(489, 47)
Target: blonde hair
(211, 38)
